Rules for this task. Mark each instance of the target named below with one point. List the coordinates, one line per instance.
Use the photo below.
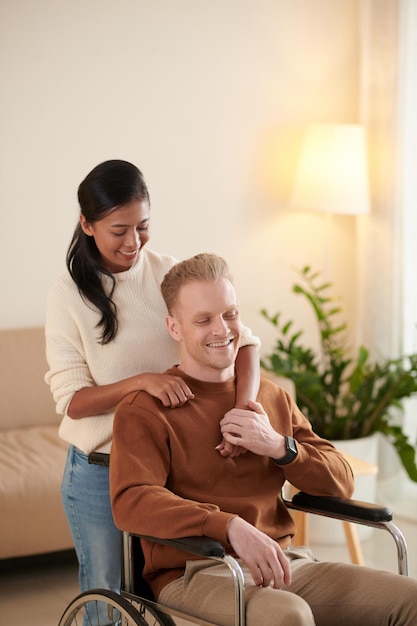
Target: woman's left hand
(225, 448)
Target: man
(169, 479)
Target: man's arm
(318, 469)
(263, 556)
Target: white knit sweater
(76, 358)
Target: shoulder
(283, 382)
(158, 261)
(275, 392)
(63, 287)
(139, 403)
(141, 400)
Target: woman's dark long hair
(109, 185)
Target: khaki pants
(321, 594)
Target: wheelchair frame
(135, 605)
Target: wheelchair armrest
(343, 508)
(200, 546)
(208, 547)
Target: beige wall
(208, 98)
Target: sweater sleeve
(139, 479)
(247, 338)
(319, 468)
(68, 370)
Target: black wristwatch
(290, 454)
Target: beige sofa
(32, 456)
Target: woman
(106, 337)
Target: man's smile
(221, 344)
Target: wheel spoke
(101, 608)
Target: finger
(187, 391)
(165, 399)
(178, 398)
(221, 449)
(233, 439)
(180, 395)
(277, 575)
(226, 448)
(234, 415)
(232, 427)
(172, 398)
(266, 575)
(255, 406)
(276, 570)
(256, 574)
(232, 450)
(286, 567)
(280, 569)
(237, 451)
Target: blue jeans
(98, 543)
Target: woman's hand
(172, 391)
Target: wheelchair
(135, 605)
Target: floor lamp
(332, 173)
(332, 177)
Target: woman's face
(120, 235)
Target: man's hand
(228, 449)
(250, 428)
(263, 556)
(225, 448)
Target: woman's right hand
(172, 391)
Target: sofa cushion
(32, 519)
(25, 398)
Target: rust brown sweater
(167, 479)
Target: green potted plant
(343, 396)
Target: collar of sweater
(201, 385)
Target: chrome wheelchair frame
(135, 605)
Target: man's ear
(86, 226)
(173, 328)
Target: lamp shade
(332, 174)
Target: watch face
(291, 445)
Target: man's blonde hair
(203, 267)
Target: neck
(207, 375)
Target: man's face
(207, 324)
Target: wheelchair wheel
(152, 617)
(101, 607)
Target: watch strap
(290, 454)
